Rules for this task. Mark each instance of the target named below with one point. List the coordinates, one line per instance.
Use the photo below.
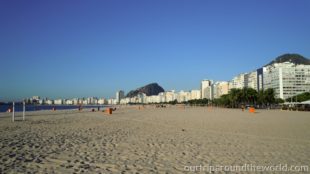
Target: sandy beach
(152, 140)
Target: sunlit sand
(152, 140)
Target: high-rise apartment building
(205, 88)
(119, 95)
(287, 79)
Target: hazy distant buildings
(220, 88)
(183, 96)
(170, 96)
(119, 95)
(238, 81)
(206, 88)
(251, 80)
(195, 94)
(248, 80)
(102, 101)
(58, 102)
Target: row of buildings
(74, 101)
(286, 78)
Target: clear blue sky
(71, 48)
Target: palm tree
(235, 96)
(269, 96)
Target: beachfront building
(170, 96)
(238, 81)
(102, 101)
(141, 98)
(125, 101)
(68, 102)
(58, 102)
(250, 80)
(92, 101)
(205, 90)
(183, 96)
(49, 102)
(220, 88)
(195, 94)
(41, 101)
(119, 95)
(112, 101)
(287, 79)
(75, 101)
(162, 97)
(209, 92)
(152, 99)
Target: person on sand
(10, 109)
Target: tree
(235, 96)
(300, 97)
(269, 96)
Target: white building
(162, 97)
(195, 94)
(58, 102)
(75, 101)
(170, 96)
(152, 99)
(112, 101)
(69, 102)
(251, 80)
(220, 88)
(125, 101)
(287, 79)
(183, 96)
(238, 81)
(119, 95)
(209, 92)
(205, 92)
(49, 102)
(102, 101)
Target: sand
(162, 140)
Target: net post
(13, 112)
(24, 110)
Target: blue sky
(77, 48)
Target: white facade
(209, 91)
(119, 95)
(205, 92)
(238, 81)
(170, 96)
(112, 101)
(251, 80)
(220, 88)
(75, 101)
(287, 79)
(49, 102)
(58, 102)
(69, 102)
(183, 96)
(195, 94)
(102, 101)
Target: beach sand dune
(164, 140)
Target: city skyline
(75, 49)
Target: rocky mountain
(150, 89)
(293, 58)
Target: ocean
(19, 107)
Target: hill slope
(293, 58)
(150, 89)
